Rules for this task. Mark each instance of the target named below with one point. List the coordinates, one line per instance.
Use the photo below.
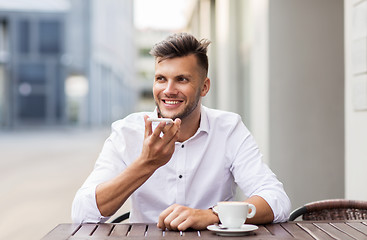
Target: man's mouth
(171, 102)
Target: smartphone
(166, 120)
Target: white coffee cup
(233, 214)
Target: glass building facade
(32, 73)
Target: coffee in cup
(233, 214)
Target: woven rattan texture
(336, 214)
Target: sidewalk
(40, 171)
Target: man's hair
(181, 45)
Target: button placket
(181, 163)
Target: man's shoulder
(218, 112)
(221, 116)
(228, 125)
(223, 121)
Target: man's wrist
(215, 213)
(144, 164)
(214, 209)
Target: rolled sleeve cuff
(84, 208)
(280, 205)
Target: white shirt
(202, 171)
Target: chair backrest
(332, 209)
(121, 218)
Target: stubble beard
(186, 112)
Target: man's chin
(170, 115)
(173, 117)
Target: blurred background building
(65, 62)
(32, 75)
(295, 70)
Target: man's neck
(190, 125)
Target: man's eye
(159, 78)
(182, 79)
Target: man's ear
(205, 88)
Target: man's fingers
(163, 216)
(184, 224)
(157, 131)
(175, 217)
(180, 222)
(171, 132)
(181, 218)
(148, 126)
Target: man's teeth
(171, 102)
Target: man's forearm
(112, 194)
(264, 213)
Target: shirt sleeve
(108, 165)
(254, 177)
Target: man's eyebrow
(184, 75)
(177, 76)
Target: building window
(23, 36)
(32, 72)
(50, 37)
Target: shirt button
(180, 176)
(182, 146)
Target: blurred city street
(41, 169)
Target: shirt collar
(204, 122)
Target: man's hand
(178, 217)
(157, 149)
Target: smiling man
(174, 173)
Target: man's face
(178, 86)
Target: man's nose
(170, 88)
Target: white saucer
(244, 230)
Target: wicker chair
(333, 209)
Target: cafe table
(343, 230)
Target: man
(175, 172)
